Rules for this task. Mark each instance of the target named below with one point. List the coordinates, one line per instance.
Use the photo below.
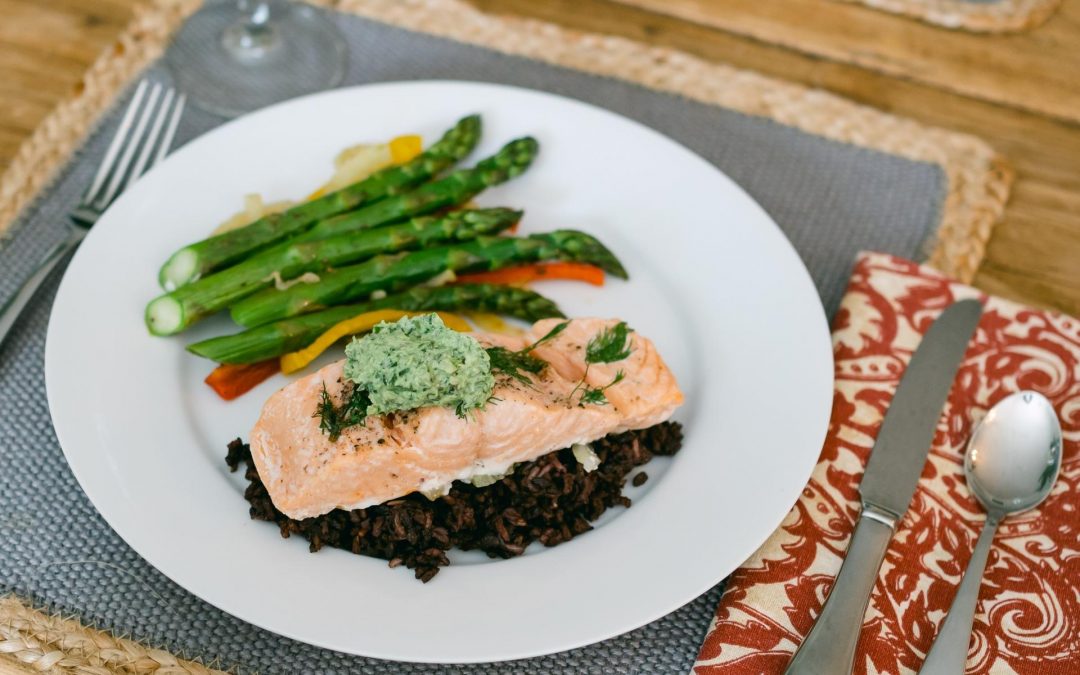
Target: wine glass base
(303, 53)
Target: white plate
(714, 283)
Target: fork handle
(15, 305)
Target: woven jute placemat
(997, 16)
(977, 187)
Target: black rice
(550, 500)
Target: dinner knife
(888, 484)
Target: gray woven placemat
(831, 200)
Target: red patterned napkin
(1028, 617)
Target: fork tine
(152, 138)
(170, 131)
(129, 150)
(114, 146)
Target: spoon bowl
(1012, 461)
(1014, 454)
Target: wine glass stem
(254, 36)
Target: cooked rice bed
(550, 500)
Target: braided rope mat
(34, 642)
(978, 182)
(999, 16)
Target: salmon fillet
(427, 449)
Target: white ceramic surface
(713, 282)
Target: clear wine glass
(235, 56)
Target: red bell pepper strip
(523, 274)
(233, 380)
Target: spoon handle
(948, 654)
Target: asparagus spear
(175, 311)
(199, 259)
(282, 337)
(456, 188)
(397, 272)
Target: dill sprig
(608, 346)
(596, 395)
(550, 335)
(517, 363)
(327, 414)
(334, 419)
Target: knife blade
(903, 442)
(888, 484)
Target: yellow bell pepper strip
(362, 323)
(405, 148)
(492, 323)
(400, 149)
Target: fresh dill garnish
(610, 345)
(517, 363)
(463, 410)
(327, 414)
(335, 419)
(550, 335)
(596, 395)
(354, 411)
(514, 364)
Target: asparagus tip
(179, 269)
(583, 247)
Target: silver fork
(143, 139)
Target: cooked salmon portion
(427, 449)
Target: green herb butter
(418, 362)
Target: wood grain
(45, 47)
(1037, 70)
(1034, 255)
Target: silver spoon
(1012, 462)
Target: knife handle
(829, 649)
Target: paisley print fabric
(1028, 615)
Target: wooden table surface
(1021, 92)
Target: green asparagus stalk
(175, 311)
(289, 335)
(391, 273)
(201, 258)
(458, 187)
